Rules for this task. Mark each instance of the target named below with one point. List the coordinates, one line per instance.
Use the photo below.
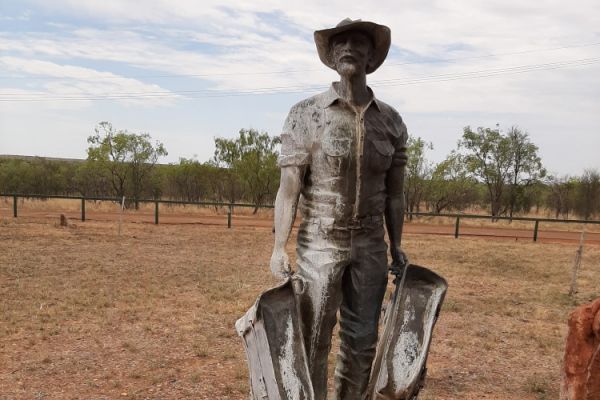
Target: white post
(577, 264)
(121, 214)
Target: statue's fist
(399, 261)
(280, 265)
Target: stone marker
(581, 367)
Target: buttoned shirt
(345, 154)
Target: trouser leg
(320, 268)
(363, 286)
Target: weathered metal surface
(275, 347)
(400, 364)
(342, 164)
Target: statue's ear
(370, 62)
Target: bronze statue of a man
(342, 162)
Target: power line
(208, 93)
(292, 71)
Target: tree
(508, 165)
(190, 179)
(561, 195)
(15, 176)
(36, 175)
(488, 158)
(526, 169)
(252, 158)
(91, 180)
(129, 158)
(451, 187)
(588, 194)
(418, 171)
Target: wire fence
(457, 217)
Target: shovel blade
(408, 326)
(274, 346)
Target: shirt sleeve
(295, 143)
(400, 140)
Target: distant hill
(32, 158)
(57, 159)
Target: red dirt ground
(500, 233)
(86, 313)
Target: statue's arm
(394, 207)
(285, 212)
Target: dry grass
(74, 206)
(87, 314)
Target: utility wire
(207, 93)
(584, 61)
(292, 71)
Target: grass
(87, 314)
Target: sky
(189, 71)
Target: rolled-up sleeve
(294, 140)
(400, 139)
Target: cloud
(69, 83)
(208, 48)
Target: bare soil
(88, 314)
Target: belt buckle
(355, 223)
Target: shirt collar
(331, 96)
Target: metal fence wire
(230, 207)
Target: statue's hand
(399, 261)
(280, 264)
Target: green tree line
(497, 172)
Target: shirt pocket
(380, 155)
(336, 146)
(336, 149)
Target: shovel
(399, 368)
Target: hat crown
(347, 21)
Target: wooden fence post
(15, 205)
(156, 212)
(535, 230)
(456, 225)
(83, 209)
(229, 212)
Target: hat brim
(380, 34)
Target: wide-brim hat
(380, 35)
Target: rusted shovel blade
(275, 348)
(411, 313)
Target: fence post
(156, 212)
(15, 205)
(83, 209)
(456, 225)
(535, 230)
(229, 212)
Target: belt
(361, 222)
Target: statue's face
(351, 52)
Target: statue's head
(353, 46)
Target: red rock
(581, 367)
(593, 381)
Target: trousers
(345, 270)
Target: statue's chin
(348, 69)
